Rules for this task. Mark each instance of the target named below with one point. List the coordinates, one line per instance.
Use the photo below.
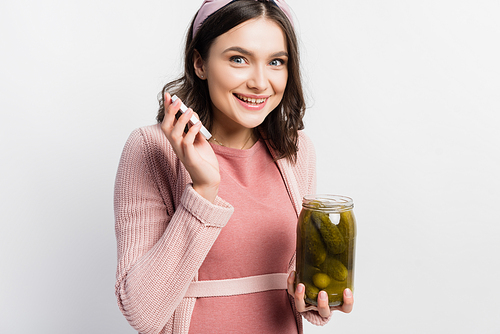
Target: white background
(403, 103)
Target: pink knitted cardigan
(164, 230)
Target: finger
(300, 303)
(168, 104)
(190, 137)
(173, 108)
(323, 308)
(170, 110)
(348, 301)
(167, 99)
(181, 123)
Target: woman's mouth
(249, 100)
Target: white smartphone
(193, 119)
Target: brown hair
(280, 128)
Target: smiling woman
(205, 29)
(247, 74)
(206, 229)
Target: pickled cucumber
(334, 268)
(321, 280)
(347, 225)
(344, 257)
(347, 256)
(309, 272)
(333, 239)
(311, 292)
(315, 251)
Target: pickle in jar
(335, 269)
(330, 234)
(321, 280)
(347, 225)
(315, 251)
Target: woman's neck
(242, 139)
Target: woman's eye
(276, 62)
(237, 60)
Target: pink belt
(237, 286)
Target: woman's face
(246, 72)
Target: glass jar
(326, 236)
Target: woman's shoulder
(149, 136)
(151, 142)
(304, 167)
(149, 133)
(305, 140)
(306, 151)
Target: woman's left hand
(323, 309)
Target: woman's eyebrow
(249, 53)
(238, 49)
(280, 54)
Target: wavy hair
(281, 126)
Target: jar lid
(330, 203)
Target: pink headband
(211, 6)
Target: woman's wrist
(209, 192)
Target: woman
(206, 229)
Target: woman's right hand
(323, 309)
(192, 149)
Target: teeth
(249, 100)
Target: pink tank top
(258, 239)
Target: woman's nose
(258, 79)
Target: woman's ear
(199, 65)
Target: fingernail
(292, 274)
(300, 288)
(348, 293)
(323, 295)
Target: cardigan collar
(286, 171)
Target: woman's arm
(158, 253)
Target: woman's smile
(251, 102)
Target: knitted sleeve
(158, 253)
